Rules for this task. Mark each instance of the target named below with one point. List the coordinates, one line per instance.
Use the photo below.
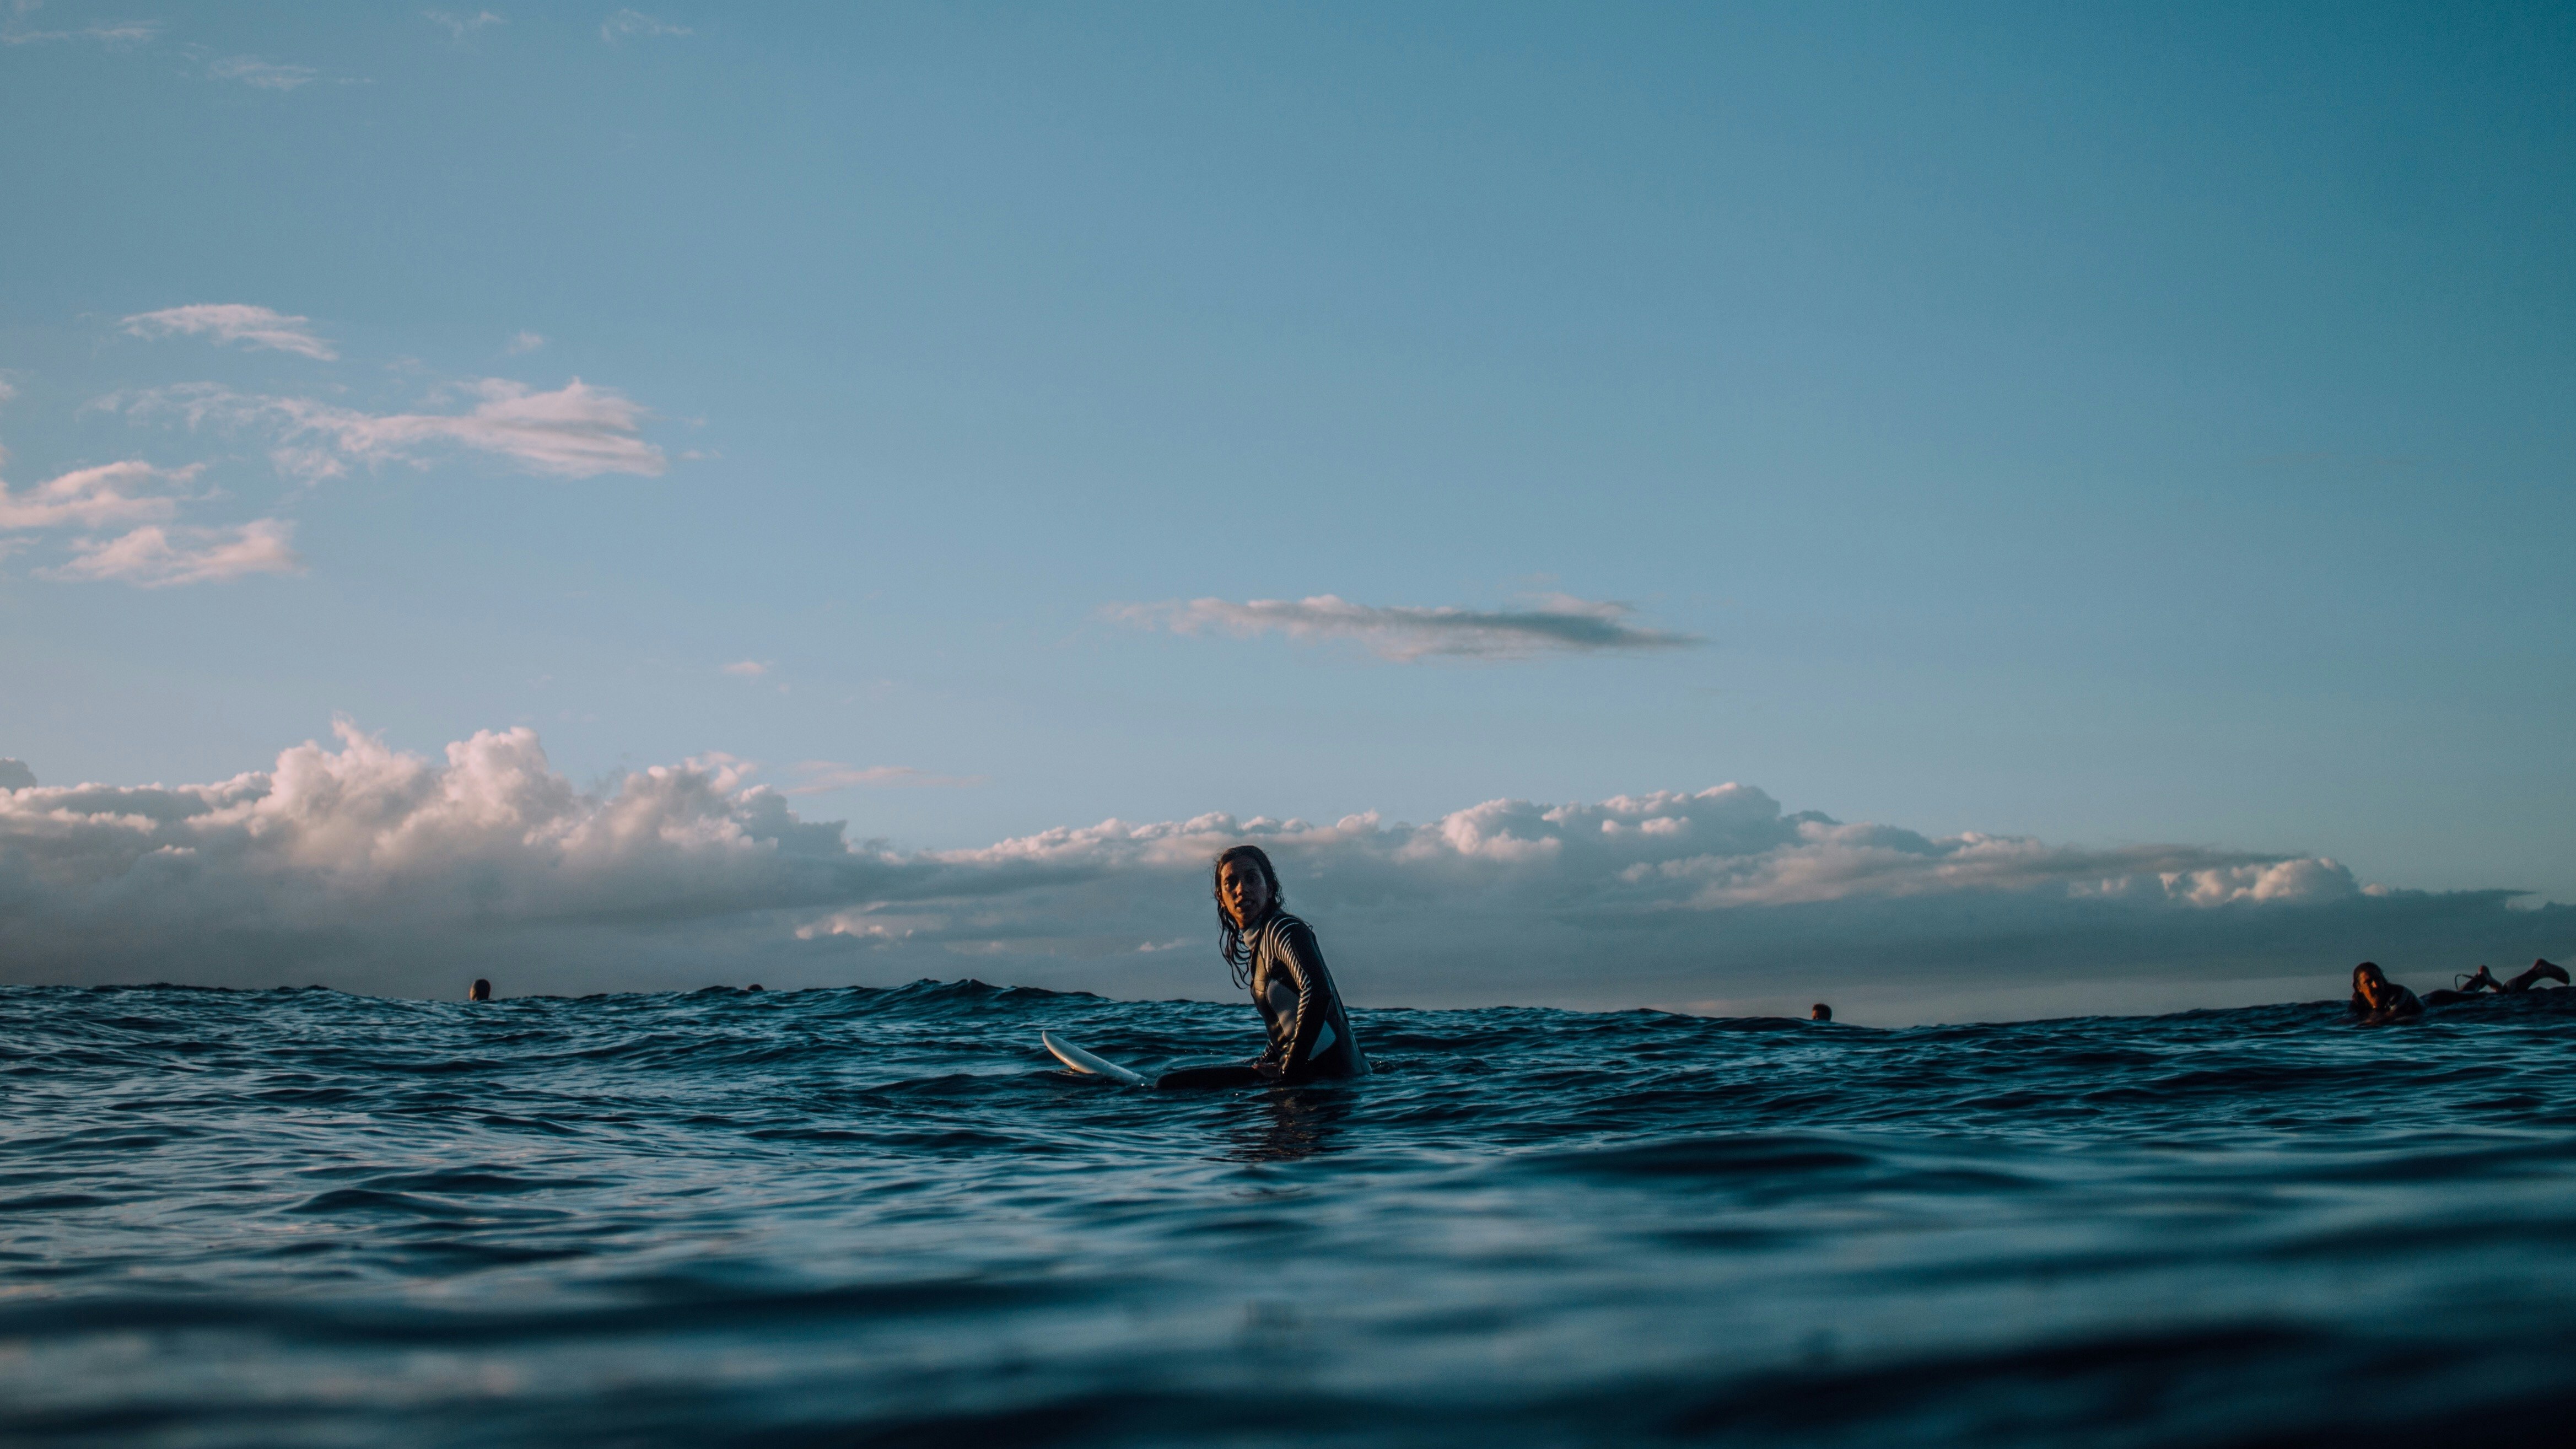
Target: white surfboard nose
(1087, 1064)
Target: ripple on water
(884, 1216)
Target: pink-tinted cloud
(1555, 623)
(575, 431)
(234, 322)
(95, 497)
(154, 557)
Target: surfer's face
(1247, 895)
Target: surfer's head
(1820, 1012)
(1247, 889)
(1246, 885)
(481, 990)
(2369, 982)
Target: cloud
(153, 557)
(14, 774)
(525, 342)
(575, 431)
(234, 322)
(93, 497)
(266, 75)
(824, 776)
(1555, 623)
(461, 25)
(111, 33)
(372, 868)
(635, 24)
(747, 668)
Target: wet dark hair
(1229, 936)
(480, 991)
(2370, 966)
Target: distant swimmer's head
(2369, 982)
(1820, 1012)
(1246, 886)
(481, 990)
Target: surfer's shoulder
(1285, 928)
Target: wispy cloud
(636, 25)
(1553, 623)
(461, 25)
(747, 668)
(107, 32)
(234, 322)
(266, 75)
(822, 776)
(154, 557)
(525, 342)
(575, 431)
(94, 497)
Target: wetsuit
(2402, 1002)
(1310, 1033)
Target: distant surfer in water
(481, 990)
(2378, 1000)
(1274, 955)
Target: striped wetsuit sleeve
(1299, 952)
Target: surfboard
(1087, 1064)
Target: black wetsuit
(1310, 1033)
(2403, 1003)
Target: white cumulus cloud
(374, 868)
(1554, 623)
(234, 322)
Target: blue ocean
(886, 1216)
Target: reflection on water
(1293, 1122)
(886, 1217)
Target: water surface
(884, 1216)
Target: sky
(2141, 439)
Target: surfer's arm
(1306, 959)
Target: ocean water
(885, 1217)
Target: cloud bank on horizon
(374, 869)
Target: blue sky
(2110, 428)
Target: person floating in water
(1820, 1012)
(481, 990)
(2378, 1000)
(1275, 955)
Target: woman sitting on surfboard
(1274, 954)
